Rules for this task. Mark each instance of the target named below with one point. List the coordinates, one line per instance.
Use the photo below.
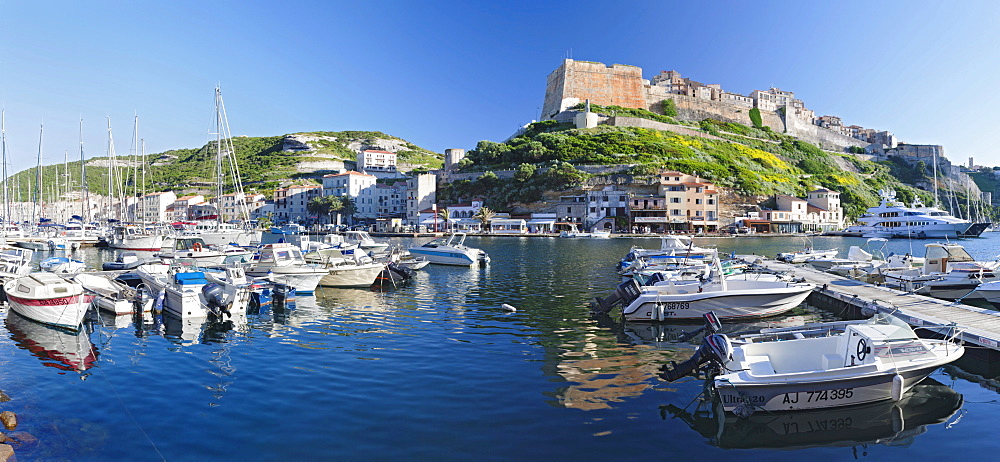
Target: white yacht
(892, 218)
(283, 263)
(452, 251)
(364, 240)
(949, 272)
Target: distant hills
(265, 163)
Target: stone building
(360, 187)
(683, 203)
(577, 81)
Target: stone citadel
(574, 82)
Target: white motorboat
(48, 299)
(132, 237)
(674, 245)
(892, 218)
(364, 240)
(948, 273)
(283, 263)
(189, 293)
(14, 262)
(856, 255)
(684, 300)
(451, 251)
(889, 423)
(818, 366)
(575, 232)
(221, 234)
(195, 248)
(350, 272)
(62, 265)
(806, 254)
(113, 296)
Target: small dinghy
(817, 366)
(125, 261)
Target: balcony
(635, 207)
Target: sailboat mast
(38, 178)
(142, 193)
(6, 180)
(85, 200)
(218, 156)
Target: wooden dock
(980, 326)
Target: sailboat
(128, 236)
(220, 232)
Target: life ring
(196, 247)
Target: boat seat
(190, 278)
(759, 365)
(832, 361)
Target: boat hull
(304, 282)
(65, 312)
(361, 276)
(149, 243)
(446, 257)
(822, 393)
(742, 304)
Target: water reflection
(887, 423)
(189, 331)
(662, 334)
(58, 348)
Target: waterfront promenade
(981, 326)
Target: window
(675, 212)
(697, 201)
(675, 200)
(711, 202)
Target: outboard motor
(624, 294)
(215, 299)
(716, 348)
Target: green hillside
(753, 162)
(264, 166)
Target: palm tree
(485, 215)
(445, 214)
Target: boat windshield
(902, 330)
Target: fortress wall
(617, 84)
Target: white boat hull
(822, 393)
(351, 276)
(732, 304)
(150, 243)
(304, 282)
(66, 312)
(446, 257)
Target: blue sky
(448, 74)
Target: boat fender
(196, 247)
(897, 387)
(507, 307)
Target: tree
(756, 118)
(668, 107)
(524, 172)
(445, 215)
(563, 175)
(485, 216)
(921, 167)
(325, 205)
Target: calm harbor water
(437, 370)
